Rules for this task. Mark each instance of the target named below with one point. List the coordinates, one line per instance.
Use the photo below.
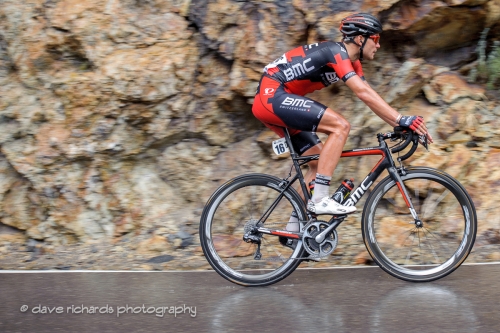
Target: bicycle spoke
(440, 243)
(391, 201)
(421, 255)
(405, 240)
(251, 202)
(430, 246)
(228, 214)
(435, 204)
(408, 256)
(272, 250)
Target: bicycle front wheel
(426, 253)
(236, 207)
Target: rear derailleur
(253, 236)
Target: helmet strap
(361, 48)
(351, 40)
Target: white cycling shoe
(328, 206)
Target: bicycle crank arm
(321, 236)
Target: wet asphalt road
(322, 300)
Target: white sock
(321, 187)
(293, 223)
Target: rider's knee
(334, 123)
(345, 126)
(339, 125)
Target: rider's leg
(337, 128)
(313, 165)
(293, 224)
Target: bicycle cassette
(326, 247)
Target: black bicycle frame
(385, 163)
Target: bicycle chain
(310, 257)
(280, 224)
(300, 258)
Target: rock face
(123, 116)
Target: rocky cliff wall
(118, 118)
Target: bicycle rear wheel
(232, 210)
(425, 253)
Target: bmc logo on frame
(297, 102)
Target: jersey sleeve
(342, 65)
(358, 69)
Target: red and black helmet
(360, 24)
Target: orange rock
(363, 258)
(451, 86)
(458, 160)
(154, 244)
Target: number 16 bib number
(280, 147)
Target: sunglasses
(376, 38)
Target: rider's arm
(379, 106)
(373, 100)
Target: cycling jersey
(312, 67)
(280, 100)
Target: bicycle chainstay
(335, 219)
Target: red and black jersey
(312, 67)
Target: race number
(280, 146)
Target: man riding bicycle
(280, 102)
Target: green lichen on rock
(487, 69)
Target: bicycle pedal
(308, 258)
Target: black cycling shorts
(277, 108)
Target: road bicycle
(418, 223)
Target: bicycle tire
(239, 202)
(449, 219)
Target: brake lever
(423, 141)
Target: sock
(321, 187)
(293, 223)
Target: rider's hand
(417, 124)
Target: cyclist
(280, 102)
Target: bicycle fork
(393, 172)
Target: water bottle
(343, 191)
(311, 186)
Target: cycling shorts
(276, 107)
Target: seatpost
(289, 143)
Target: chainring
(326, 247)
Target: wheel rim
(234, 208)
(437, 247)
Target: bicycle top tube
(382, 149)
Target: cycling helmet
(360, 24)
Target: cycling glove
(411, 122)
